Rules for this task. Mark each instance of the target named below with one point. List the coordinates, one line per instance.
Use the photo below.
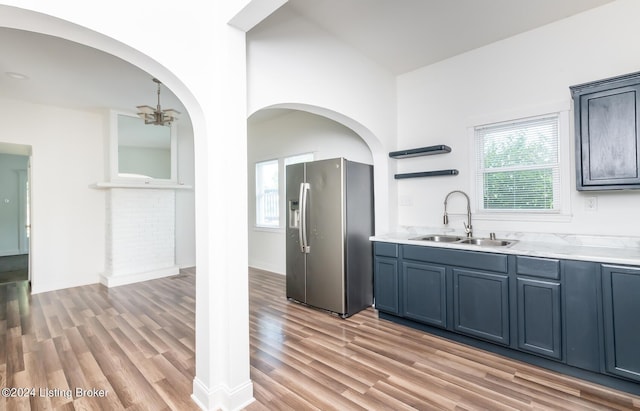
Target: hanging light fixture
(157, 116)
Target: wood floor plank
(387, 366)
(137, 342)
(97, 338)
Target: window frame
(260, 194)
(282, 163)
(561, 214)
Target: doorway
(14, 213)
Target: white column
(222, 378)
(222, 288)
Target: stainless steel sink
(487, 242)
(482, 242)
(438, 238)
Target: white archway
(381, 162)
(222, 342)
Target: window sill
(552, 218)
(268, 229)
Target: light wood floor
(137, 343)
(304, 359)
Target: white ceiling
(71, 75)
(403, 35)
(398, 34)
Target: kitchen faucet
(467, 225)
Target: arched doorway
(214, 100)
(380, 159)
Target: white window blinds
(267, 199)
(517, 165)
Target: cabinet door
(481, 305)
(539, 317)
(621, 303)
(424, 293)
(608, 139)
(582, 330)
(386, 284)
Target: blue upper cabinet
(607, 126)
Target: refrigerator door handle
(301, 211)
(302, 231)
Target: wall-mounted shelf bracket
(422, 151)
(451, 172)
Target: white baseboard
(6, 253)
(114, 280)
(221, 397)
(261, 265)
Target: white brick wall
(140, 231)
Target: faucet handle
(468, 229)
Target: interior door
(13, 204)
(23, 204)
(295, 264)
(325, 260)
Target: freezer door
(295, 266)
(325, 226)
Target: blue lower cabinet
(576, 316)
(385, 285)
(581, 316)
(621, 306)
(424, 293)
(539, 317)
(481, 305)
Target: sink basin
(487, 242)
(438, 238)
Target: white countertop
(601, 249)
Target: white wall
(185, 201)
(290, 134)
(10, 222)
(67, 216)
(523, 75)
(209, 78)
(295, 64)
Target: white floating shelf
(156, 186)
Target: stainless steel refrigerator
(329, 221)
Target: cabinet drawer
(386, 249)
(459, 258)
(538, 267)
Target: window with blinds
(267, 199)
(517, 165)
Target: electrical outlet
(406, 201)
(591, 203)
